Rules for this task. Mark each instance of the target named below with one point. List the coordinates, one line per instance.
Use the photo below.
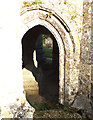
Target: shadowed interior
(47, 73)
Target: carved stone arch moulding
(68, 51)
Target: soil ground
(49, 110)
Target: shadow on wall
(46, 73)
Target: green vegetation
(45, 106)
(47, 51)
(45, 36)
(28, 4)
(42, 106)
(65, 108)
(73, 17)
(41, 113)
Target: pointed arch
(68, 50)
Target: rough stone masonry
(71, 23)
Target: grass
(47, 52)
(45, 106)
(42, 106)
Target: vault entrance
(40, 56)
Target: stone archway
(68, 48)
(47, 71)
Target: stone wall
(92, 50)
(86, 54)
(86, 50)
(70, 22)
(74, 32)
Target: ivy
(28, 4)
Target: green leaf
(65, 108)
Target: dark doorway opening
(46, 73)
